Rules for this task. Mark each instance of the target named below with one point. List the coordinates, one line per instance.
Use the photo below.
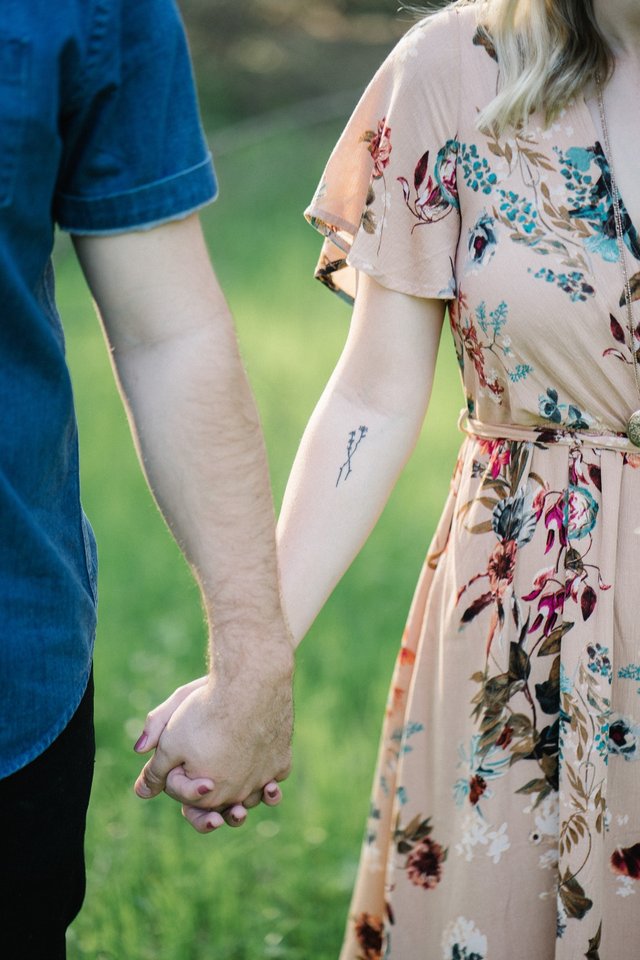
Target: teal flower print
(589, 192)
(630, 672)
(573, 282)
(482, 240)
(580, 158)
(548, 406)
(565, 414)
(513, 518)
(519, 211)
(581, 512)
(445, 172)
(476, 172)
(599, 661)
(624, 737)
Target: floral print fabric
(505, 816)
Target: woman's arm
(358, 439)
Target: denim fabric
(99, 131)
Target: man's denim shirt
(99, 132)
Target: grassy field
(279, 887)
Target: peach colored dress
(505, 818)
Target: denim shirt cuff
(141, 207)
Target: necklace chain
(617, 216)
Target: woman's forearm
(358, 440)
(348, 462)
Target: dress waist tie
(601, 438)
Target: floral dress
(505, 816)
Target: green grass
(280, 886)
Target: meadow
(278, 887)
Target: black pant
(42, 821)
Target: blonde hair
(548, 52)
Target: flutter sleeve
(388, 203)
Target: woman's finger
(158, 718)
(236, 815)
(204, 821)
(272, 794)
(196, 792)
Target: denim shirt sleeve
(134, 154)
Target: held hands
(220, 747)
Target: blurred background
(277, 80)
(263, 55)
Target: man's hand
(221, 746)
(203, 820)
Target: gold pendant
(633, 428)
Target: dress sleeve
(387, 203)
(133, 150)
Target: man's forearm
(200, 442)
(196, 426)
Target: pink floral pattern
(379, 142)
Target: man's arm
(197, 431)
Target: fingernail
(211, 825)
(142, 742)
(203, 791)
(272, 792)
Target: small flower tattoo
(355, 439)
